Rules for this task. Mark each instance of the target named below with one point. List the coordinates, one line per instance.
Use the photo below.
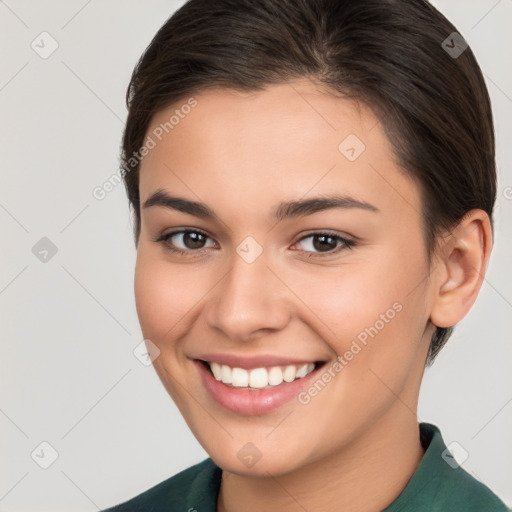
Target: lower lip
(252, 402)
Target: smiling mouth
(259, 378)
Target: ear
(460, 266)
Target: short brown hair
(432, 102)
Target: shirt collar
(434, 480)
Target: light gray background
(69, 326)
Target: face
(285, 241)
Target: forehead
(291, 139)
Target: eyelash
(164, 239)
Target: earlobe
(461, 264)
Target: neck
(367, 476)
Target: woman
(312, 184)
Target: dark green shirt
(437, 485)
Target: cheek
(163, 295)
(371, 299)
(164, 298)
(346, 299)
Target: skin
(242, 154)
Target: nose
(249, 302)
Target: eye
(185, 241)
(189, 241)
(324, 242)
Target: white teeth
(259, 378)
(275, 376)
(216, 370)
(239, 378)
(302, 371)
(289, 373)
(225, 374)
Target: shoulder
(472, 495)
(193, 487)
(441, 484)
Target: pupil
(193, 240)
(326, 242)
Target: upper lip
(254, 361)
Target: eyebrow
(285, 210)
